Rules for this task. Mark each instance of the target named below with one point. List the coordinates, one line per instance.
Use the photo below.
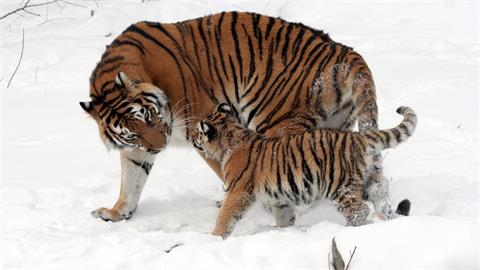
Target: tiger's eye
(130, 136)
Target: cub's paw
(223, 234)
(110, 214)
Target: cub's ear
(209, 131)
(224, 108)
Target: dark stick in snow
(172, 247)
(19, 60)
(338, 263)
(351, 256)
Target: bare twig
(26, 6)
(73, 4)
(46, 9)
(56, 19)
(31, 13)
(172, 247)
(337, 260)
(351, 256)
(19, 60)
(16, 10)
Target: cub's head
(131, 114)
(216, 132)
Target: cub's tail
(403, 208)
(388, 138)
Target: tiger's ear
(124, 83)
(209, 131)
(87, 106)
(224, 108)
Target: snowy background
(54, 169)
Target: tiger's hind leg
(358, 78)
(379, 194)
(350, 202)
(355, 212)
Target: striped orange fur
(295, 169)
(279, 77)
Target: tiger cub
(294, 169)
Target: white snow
(54, 169)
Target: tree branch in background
(19, 60)
(26, 6)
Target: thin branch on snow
(56, 19)
(73, 4)
(31, 13)
(19, 60)
(351, 256)
(26, 6)
(172, 247)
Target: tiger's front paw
(110, 214)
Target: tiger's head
(131, 115)
(219, 132)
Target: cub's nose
(197, 145)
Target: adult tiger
(279, 77)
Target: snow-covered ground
(54, 169)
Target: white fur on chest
(178, 136)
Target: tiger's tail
(383, 139)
